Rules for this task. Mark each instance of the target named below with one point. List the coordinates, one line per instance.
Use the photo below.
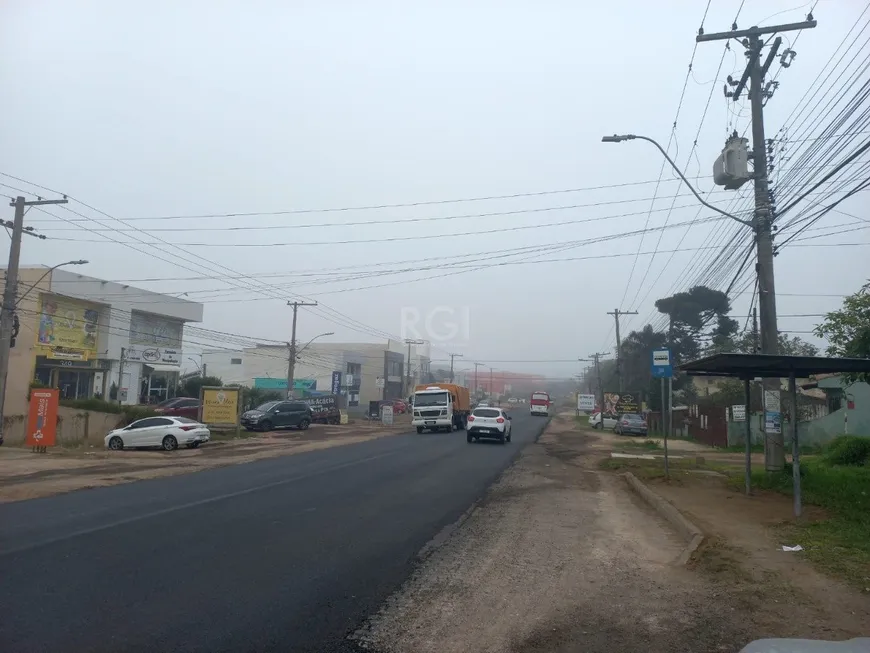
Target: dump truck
(440, 407)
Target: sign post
(663, 368)
(585, 403)
(220, 407)
(42, 419)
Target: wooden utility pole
(291, 365)
(762, 223)
(616, 313)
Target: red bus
(539, 404)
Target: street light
(47, 272)
(328, 333)
(619, 138)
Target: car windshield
(433, 399)
(486, 412)
(265, 408)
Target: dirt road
(559, 557)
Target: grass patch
(646, 443)
(227, 436)
(840, 544)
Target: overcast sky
(186, 107)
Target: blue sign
(662, 367)
(268, 383)
(336, 383)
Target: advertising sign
(386, 415)
(67, 328)
(42, 418)
(155, 331)
(662, 367)
(336, 383)
(147, 355)
(220, 406)
(772, 412)
(616, 403)
(738, 413)
(586, 402)
(380, 382)
(270, 383)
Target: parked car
(400, 407)
(609, 421)
(278, 414)
(488, 423)
(631, 423)
(324, 409)
(179, 407)
(165, 432)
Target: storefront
(74, 379)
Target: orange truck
(441, 407)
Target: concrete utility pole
(476, 365)
(596, 358)
(291, 365)
(774, 447)
(452, 356)
(616, 313)
(10, 292)
(408, 371)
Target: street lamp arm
(47, 272)
(305, 346)
(628, 137)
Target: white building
(95, 335)
(361, 366)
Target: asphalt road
(284, 554)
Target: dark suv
(277, 415)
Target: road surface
(285, 554)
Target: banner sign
(42, 418)
(67, 328)
(220, 406)
(586, 402)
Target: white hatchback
(610, 421)
(488, 423)
(164, 432)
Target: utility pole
(616, 313)
(762, 223)
(408, 371)
(596, 358)
(476, 365)
(291, 365)
(121, 373)
(754, 330)
(10, 292)
(452, 356)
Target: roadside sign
(386, 415)
(738, 413)
(586, 402)
(336, 383)
(662, 367)
(220, 406)
(380, 382)
(42, 418)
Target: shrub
(132, 413)
(852, 450)
(98, 405)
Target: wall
(75, 427)
(23, 355)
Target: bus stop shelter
(747, 367)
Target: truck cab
(440, 408)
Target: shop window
(235, 361)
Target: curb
(687, 530)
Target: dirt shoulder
(26, 475)
(559, 557)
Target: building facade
(368, 371)
(94, 338)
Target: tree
(689, 314)
(794, 346)
(848, 329)
(190, 387)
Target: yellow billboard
(67, 328)
(220, 406)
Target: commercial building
(95, 338)
(368, 371)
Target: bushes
(127, 413)
(851, 450)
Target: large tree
(695, 317)
(848, 329)
(745, 343)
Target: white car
(513, 400)
(610, 421)
(165, 432)
(488, 423)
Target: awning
(162, 368)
